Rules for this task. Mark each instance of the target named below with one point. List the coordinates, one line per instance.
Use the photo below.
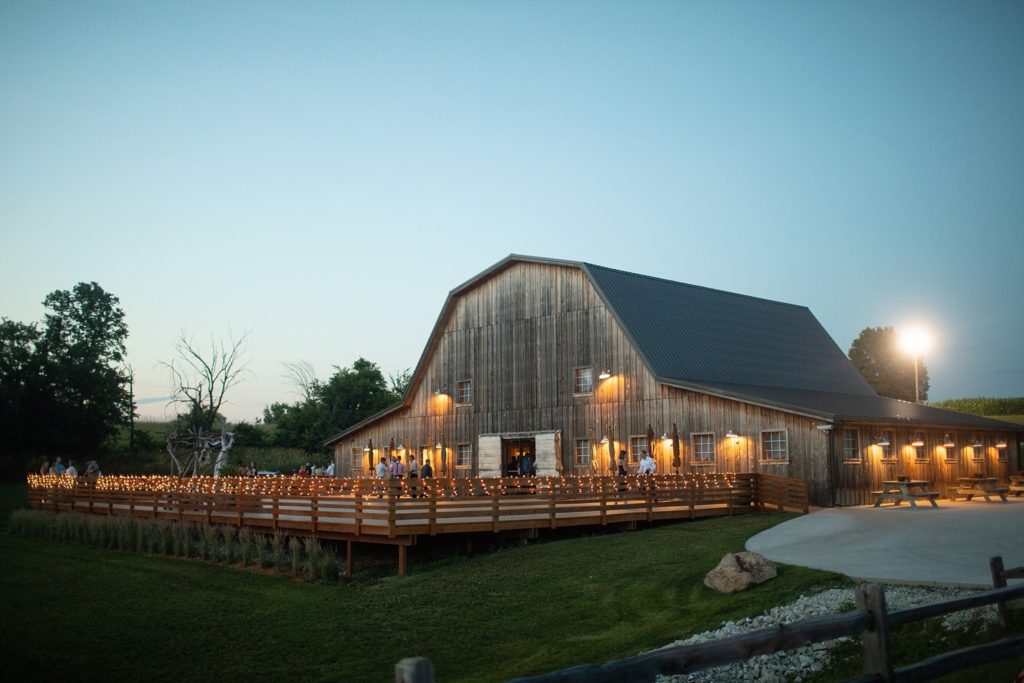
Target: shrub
(313, 553)
(295, 555)
(245, 545)
(277, 544)
(228, 533)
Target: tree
(349, 396)
(200, 382)
(889, 371)
(64, 387)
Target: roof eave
(746, 398)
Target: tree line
(66, 388)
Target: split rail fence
(395, 512)
(871, 621)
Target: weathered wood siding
(518, 336)
(941, 466)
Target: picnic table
(1016, 484)
(980, 486)
(909, 490)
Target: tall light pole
(915, 342)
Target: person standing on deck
(382, 469)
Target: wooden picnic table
(909, 490)
(1016, 484)
(981, 486)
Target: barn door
(489, 450)
(547, 454)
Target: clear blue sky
(321, 174)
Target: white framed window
(464, 391)
(582, 452)
(1002, 446)
(464, 455)
(703, 448)
(358, 459)
(774, 446)
(425, 453)
(921, 453)
(637, 446)
(888, 452)
(851, 446)
(977, 450)
(952, 453)
(583, 381)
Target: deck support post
(401, 559)
(349, 558)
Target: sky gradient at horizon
(320, 175)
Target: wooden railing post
(392, 485)
(359, 510)
(999, 581)
(495, 503)
(877, 639)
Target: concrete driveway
(948, 545)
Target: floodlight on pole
(915, 342)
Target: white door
(489, 456)
(547, 454)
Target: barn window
(703, 448)
(887, 439)
(583, 381)
(920, 444)
(774, 446)
(357, 458)
(464, 391)
(464, 455)
(583, 452)
(637, 445)
(851, 447)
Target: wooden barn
(573, 363)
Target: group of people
(92, 468)
(396, 469)
(309, 470)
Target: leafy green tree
(63, 386)
(889, 370)
(349, 396)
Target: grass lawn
(88, 614)
(85, 613)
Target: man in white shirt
(330, 470)
(647, 464)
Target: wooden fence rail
(871, 621)
(398, 511)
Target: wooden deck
(398, 511)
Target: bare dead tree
(303, 376)
(200, 381)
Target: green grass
(1018, 419)
(525, 609)
(517, 611)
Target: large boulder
(739, 571)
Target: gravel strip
(795, 665)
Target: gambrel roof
(732, 345)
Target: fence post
(876, 639)
(414, 670)
(999, 581)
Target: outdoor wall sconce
(443, 391)
(665, 436)
(366, 449)
(1000, 443)
(978, 444)
(438, 445)
(731, 435)
(604, 439)
(948, 442)
(605, 374)
(882, 441)
(916, 442)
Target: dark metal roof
(699, 335)
(856, 408)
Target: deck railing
(346, 508)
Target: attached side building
(572, 363)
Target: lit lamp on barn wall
(915, 342)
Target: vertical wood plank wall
(942, 467)
(519, 334)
